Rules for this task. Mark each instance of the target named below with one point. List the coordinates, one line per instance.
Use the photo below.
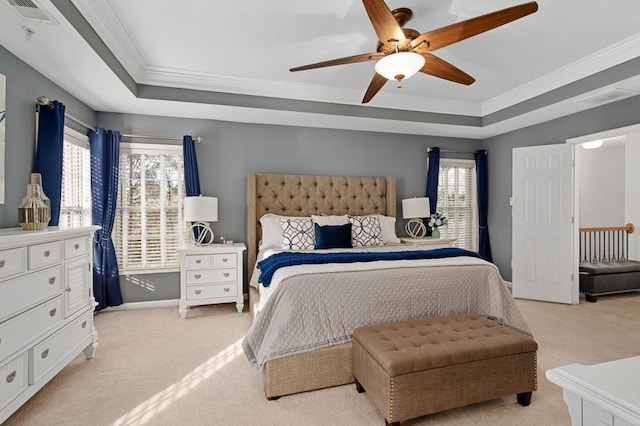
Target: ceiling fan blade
(341, 61)
(440, 68)
(462, 30)
(374, 87)
(384, 23)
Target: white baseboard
(143, 305)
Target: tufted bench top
(424, 344)
(614, 267)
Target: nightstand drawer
(212, 276)
(45, 254)
(211, 291)
(13, 379)
(13, 261)
(226, 260)
(199, 261)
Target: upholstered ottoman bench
(414, 368)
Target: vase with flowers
(436, 221)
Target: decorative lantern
(34, 212)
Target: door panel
(544, 267)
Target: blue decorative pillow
(333, 236)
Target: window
(148, 228)
(75, 200)
(457, 201)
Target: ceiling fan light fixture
(399, 66)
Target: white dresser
(46, 308)
(211, 274)
(606, 394)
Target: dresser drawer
(45, 254)
(76, 294)
(226, 260)
(28, 290)
(211, 291)
(76, 247)
(20, 330)
(13, 261)
(46, 354)
(199, 261)
(212, 276)
(13, 379)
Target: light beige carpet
(152, 368)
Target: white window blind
(149, 228)
(75, 201)
(457, 200)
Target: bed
(327, 361)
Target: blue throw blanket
(271, 264)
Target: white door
(544, 264)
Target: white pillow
(271, 230)
(298, 233)
(331, 220)
(388, 225)
(366, 231)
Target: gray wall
(232, 150)
(24, 85)
(611, 116)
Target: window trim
(149, 149)
(468, 164)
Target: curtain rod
(43, 101)
(455, 151)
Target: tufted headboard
(304, 195)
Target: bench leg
(391, 424)
(590, 298)
(524, 398)
(273, 398)
(359, 387)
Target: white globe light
(399, 66)
(592, 144)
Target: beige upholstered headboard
(304, 195)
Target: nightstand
(210, 275)
(428, 242)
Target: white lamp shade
(416, 207)
(399, 66)
(200, 209)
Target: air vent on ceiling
(31, 11)
(608, 95)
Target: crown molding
(106, 24)
(608, 57)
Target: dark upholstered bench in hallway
(414, 368)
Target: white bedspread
(308, 307)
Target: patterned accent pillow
(298, 234)
(366, 231)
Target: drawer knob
(226, 289)
(198, 291)
(84, 324)
(47, 253)
(11, 376)
(198, 261)
(224, 259)
(197, 276)
(226, 274)
(52, 280)
(53, 312)
(68, 289)
(76, 246)
(2, 263)
(45, 353)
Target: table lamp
(200, 210)
(414, 209)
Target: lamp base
(415, 228)
(201, 234)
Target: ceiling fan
(402, 52)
